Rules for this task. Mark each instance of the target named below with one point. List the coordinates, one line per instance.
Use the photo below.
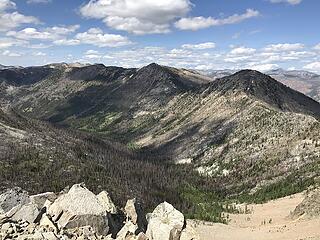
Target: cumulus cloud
(52, 33)
(317, 47)
(264, 67)
(200, 46)
(314, 66)
(6, 4)
(137, 16)
(196, 23)
(242, 51)
(92, 52)
(8, 53)
(10, 20)
(11, 42)
(67, 42)
(283, 47)
(96, 37)
(291, 2)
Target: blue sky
(198, 34)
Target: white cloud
(38, 1)
(93, 56)
(91, 52)
(6, 4)
(39, 54)
(242, 51)
(283, 47)
(8, 53)
(264, 67)
(10, 42)
(291, 2)
(236, 59)
(317, 47)
(315, 67)
(10, 20)
(137, 16)
(15, 19)
(96, 37)
(52, 33)
(67, 42)
(200, 46)
(196, 23)
(136, 26)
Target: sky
(197, 34)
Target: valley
(244, 137)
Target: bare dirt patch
(269, 221)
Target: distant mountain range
(246, 131)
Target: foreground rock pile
(80, 214)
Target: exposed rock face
(12, 198)
(79, 207)
(128, 229)
(310, 206)
(136, 215)
(80, 214)
(165, 222)
(28, 212)
(106, 202)
(189, 233)
(40, 199)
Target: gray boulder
(28, 212)
(12, 198)
(165, 223)
(77, 208)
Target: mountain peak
(153, 67)
(267, 89)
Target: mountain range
(244, 134)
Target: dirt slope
(267, 221)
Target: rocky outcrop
(80, 214)
(309, 207)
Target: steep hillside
(38, 156)
(247, 131)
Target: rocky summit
(77, 213)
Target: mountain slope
(38, 156)
(247, 131)
(268, 90)
(305, 82)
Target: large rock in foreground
(165, 223)
(79, 207)
(135, 214)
